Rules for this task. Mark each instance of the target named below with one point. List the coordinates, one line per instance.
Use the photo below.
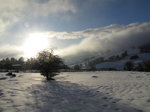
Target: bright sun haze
(34, 43)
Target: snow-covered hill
(117, 60)
(120, 64)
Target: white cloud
(51, 7)
(10, 11)
(13, 11)
(9, 51)
(34, 7)
(63, 35)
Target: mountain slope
(137, 58)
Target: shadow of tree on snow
(55, 96)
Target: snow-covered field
(76, 92)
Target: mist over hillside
(106, 41)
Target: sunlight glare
(35, 43)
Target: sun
(34, 43)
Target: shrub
(128, 66)
(144, 66)
(134, 57)
(49, 64)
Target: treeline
(20, 64)
(12, 63)
(142, 66)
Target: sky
(73, 28)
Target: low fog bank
(107, 40)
